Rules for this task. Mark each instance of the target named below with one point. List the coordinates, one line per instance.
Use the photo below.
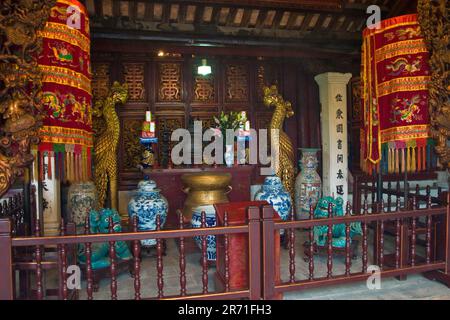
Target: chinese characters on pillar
(340, 120)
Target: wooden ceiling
(326, 25)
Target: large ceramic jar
(81, 199)
(196, 222)
(147, 203)
(274, 193)
(308, 185)
(204, 188)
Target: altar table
(169, 182)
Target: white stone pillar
(333, 98)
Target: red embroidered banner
(395, 75)
(66, 92)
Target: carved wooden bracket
(20, 82)
(434, 23)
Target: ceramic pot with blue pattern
(196, 222)
(274, 193)
(147, 203)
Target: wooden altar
(169, 182)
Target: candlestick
(148, 116)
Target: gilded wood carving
(283, 110)
(204, 89)
(434, 24)
(133, 148)
(20, 83)
(167, 126)
(169, 86)
(100, 80)
(236, 83)
(134, 76)
(105, 143)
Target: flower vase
(229, 155)
(308, 185)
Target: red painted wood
(347, 244)
(204, 260)
(6, 275)
(330, 243)
(311, 245)
(182, 258)
(292, 252)
(137, 262)
(113, 267)
(38, 257)
(62, 252)
(227, 254)
(170, 184)
(159, 261)
(239, 245)
(89, 271)
(365, 242)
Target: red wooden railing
(8, 243)
(406, 240)
(403, 260)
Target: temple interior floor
(415, 287)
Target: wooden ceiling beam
(318, 5)
(199, 10)
(291, 20)
(182, 14)
(148, 11)
(277, 19)
(132, 9)
(231, 16)
(261, 18)
(303, 50)
(116, 8)
(306, 21)
(246, 18)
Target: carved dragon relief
(20, 83)
(434, 24)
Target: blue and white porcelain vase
(196, 222)
(274, 193)
(308, 185)
(147, 203)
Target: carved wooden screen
(169, 85)
(134, 76)
(100, 79)
(236, 83)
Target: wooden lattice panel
(131, 131)
(100, 80)
(134, 76)
(169, 85)
(204, 89)
(236, 83)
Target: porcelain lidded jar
(274, 193)
(81, 199)
(196, 222)
(146, 204)
(308, 185)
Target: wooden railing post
(254, 252)
(447, 238)
(6, 271)
(268, 253)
